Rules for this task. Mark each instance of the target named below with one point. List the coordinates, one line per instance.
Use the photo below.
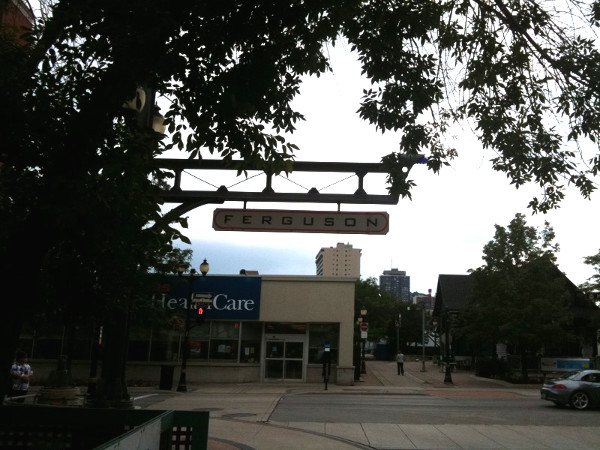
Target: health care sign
(274, 220)
(225, 297)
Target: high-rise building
(397, 283)
(339, 261)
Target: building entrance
(284, 358)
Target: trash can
(166, 377)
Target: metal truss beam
(194, 198)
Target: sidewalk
(239, 415)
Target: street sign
(295, 221)
(364, 326)
(201, 298)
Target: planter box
(46, 427)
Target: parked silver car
(581, 390)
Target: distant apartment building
(427, 301)
(339, 261)
(396, 282)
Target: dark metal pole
(182, 385)
(356, 359)
(448, 373)
(326, 365)
(397, 338)
(363, 367)
(94, 361)
(423, 337)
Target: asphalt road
(484, 409)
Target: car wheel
(580, 400)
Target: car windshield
(572, 375)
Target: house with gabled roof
(452, 296)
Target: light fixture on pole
(148, 113)
(204, 267)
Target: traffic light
(200, 315)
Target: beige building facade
(268, 329)
(323, 307)
(340, 261)
(256, 329)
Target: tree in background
(592, 288)
(519, 297)
(592, 285)
(79, 193)
(383, 309)
(380, 306)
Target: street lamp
(435, 338)
(204, 267)
(448, 372)
(363, 368)
(147, 112)
(423, 369)
(356, 350)
(398, 323)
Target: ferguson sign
(301, 221)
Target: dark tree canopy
(592, 285)
(78, 192)
(382, 308)
(524, 75)
(520, 297)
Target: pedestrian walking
(400, 362)
(21, 374)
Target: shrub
(490, 367)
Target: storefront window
(224, 340)
(319, 334)
(199, 341)
(250, 345)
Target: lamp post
(435, 338)
(448, 372)
(423, 369)
(363, 368)
(356, 353)
(398, 323)
(204, 267)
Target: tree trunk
(111, 390)
(19, 274)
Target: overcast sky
(441, 231)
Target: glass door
(284, 360)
